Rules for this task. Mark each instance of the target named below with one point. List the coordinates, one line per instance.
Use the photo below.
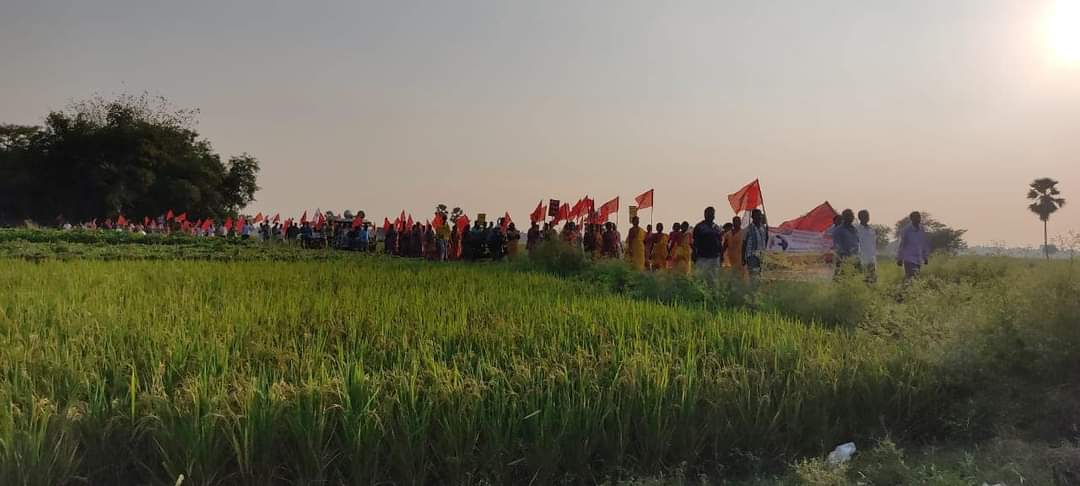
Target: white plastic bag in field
(841, 454)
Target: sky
(946, 106)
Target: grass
(240, 363)
(366, 369)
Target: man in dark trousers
(708, 245)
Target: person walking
(754, 244)
(914, 249)
(733, 245)
(635, 245)
(867, 247)
(707, 245)
(659, 256)
(845, 241)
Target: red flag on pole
(228, 224)
(608, 208)
(817, 220)
(505, 222)
(120, 221)
(385, 225)
(277, 217)
(240, 222)
(169, 215)
(563, 214)
(181, 218)
(409, 222)
(303, 217)
(357, 221)
(645, 200)
(285, 226)
(462, 223)
(146, 220)
(207, 223)
(538, 214)
(747, 198)
(321, 221)
(438, 221)
(258, 218)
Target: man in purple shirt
(914, 250)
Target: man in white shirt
(867, 247)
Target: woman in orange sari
(659, 255)
(680, 257)
(635, 245)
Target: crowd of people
(707, 247)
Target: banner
(482, 219)
(633, 212)
(798, 241)
(553, 207)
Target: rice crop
(364, 370)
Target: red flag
(120, 221)
(285, 226)
(401, 221)
(462, 223)
(505, 222)
(538, 214)
(169, 215)
(439, 221)
(207, 223)
(303, 217)
(644, 200)
(357, 221)
(182, 217)
(258, 218)
(385, 225)
(564, 213)
(240, 223)
(608, 208)
(747, 198)
(277, 217)
(185, 226)
(817, 220)
(409, 223)
(228, 224)
(146, 220)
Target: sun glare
(1064, 30)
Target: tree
(940, 236)
(881, 236)
(132, 155)
(1044, 201)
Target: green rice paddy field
(355, 369)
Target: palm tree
(1044, 201)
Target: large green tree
(1043, 194)
(132, 155)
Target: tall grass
(365, 370)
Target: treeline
(134, 155)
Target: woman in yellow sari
(635, 245)
(733, 243)
(659, 248)
(680, 258)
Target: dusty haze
(947, 106)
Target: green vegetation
(132, 155)
(326, 367)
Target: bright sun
(1064, 30)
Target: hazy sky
(950, 106)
